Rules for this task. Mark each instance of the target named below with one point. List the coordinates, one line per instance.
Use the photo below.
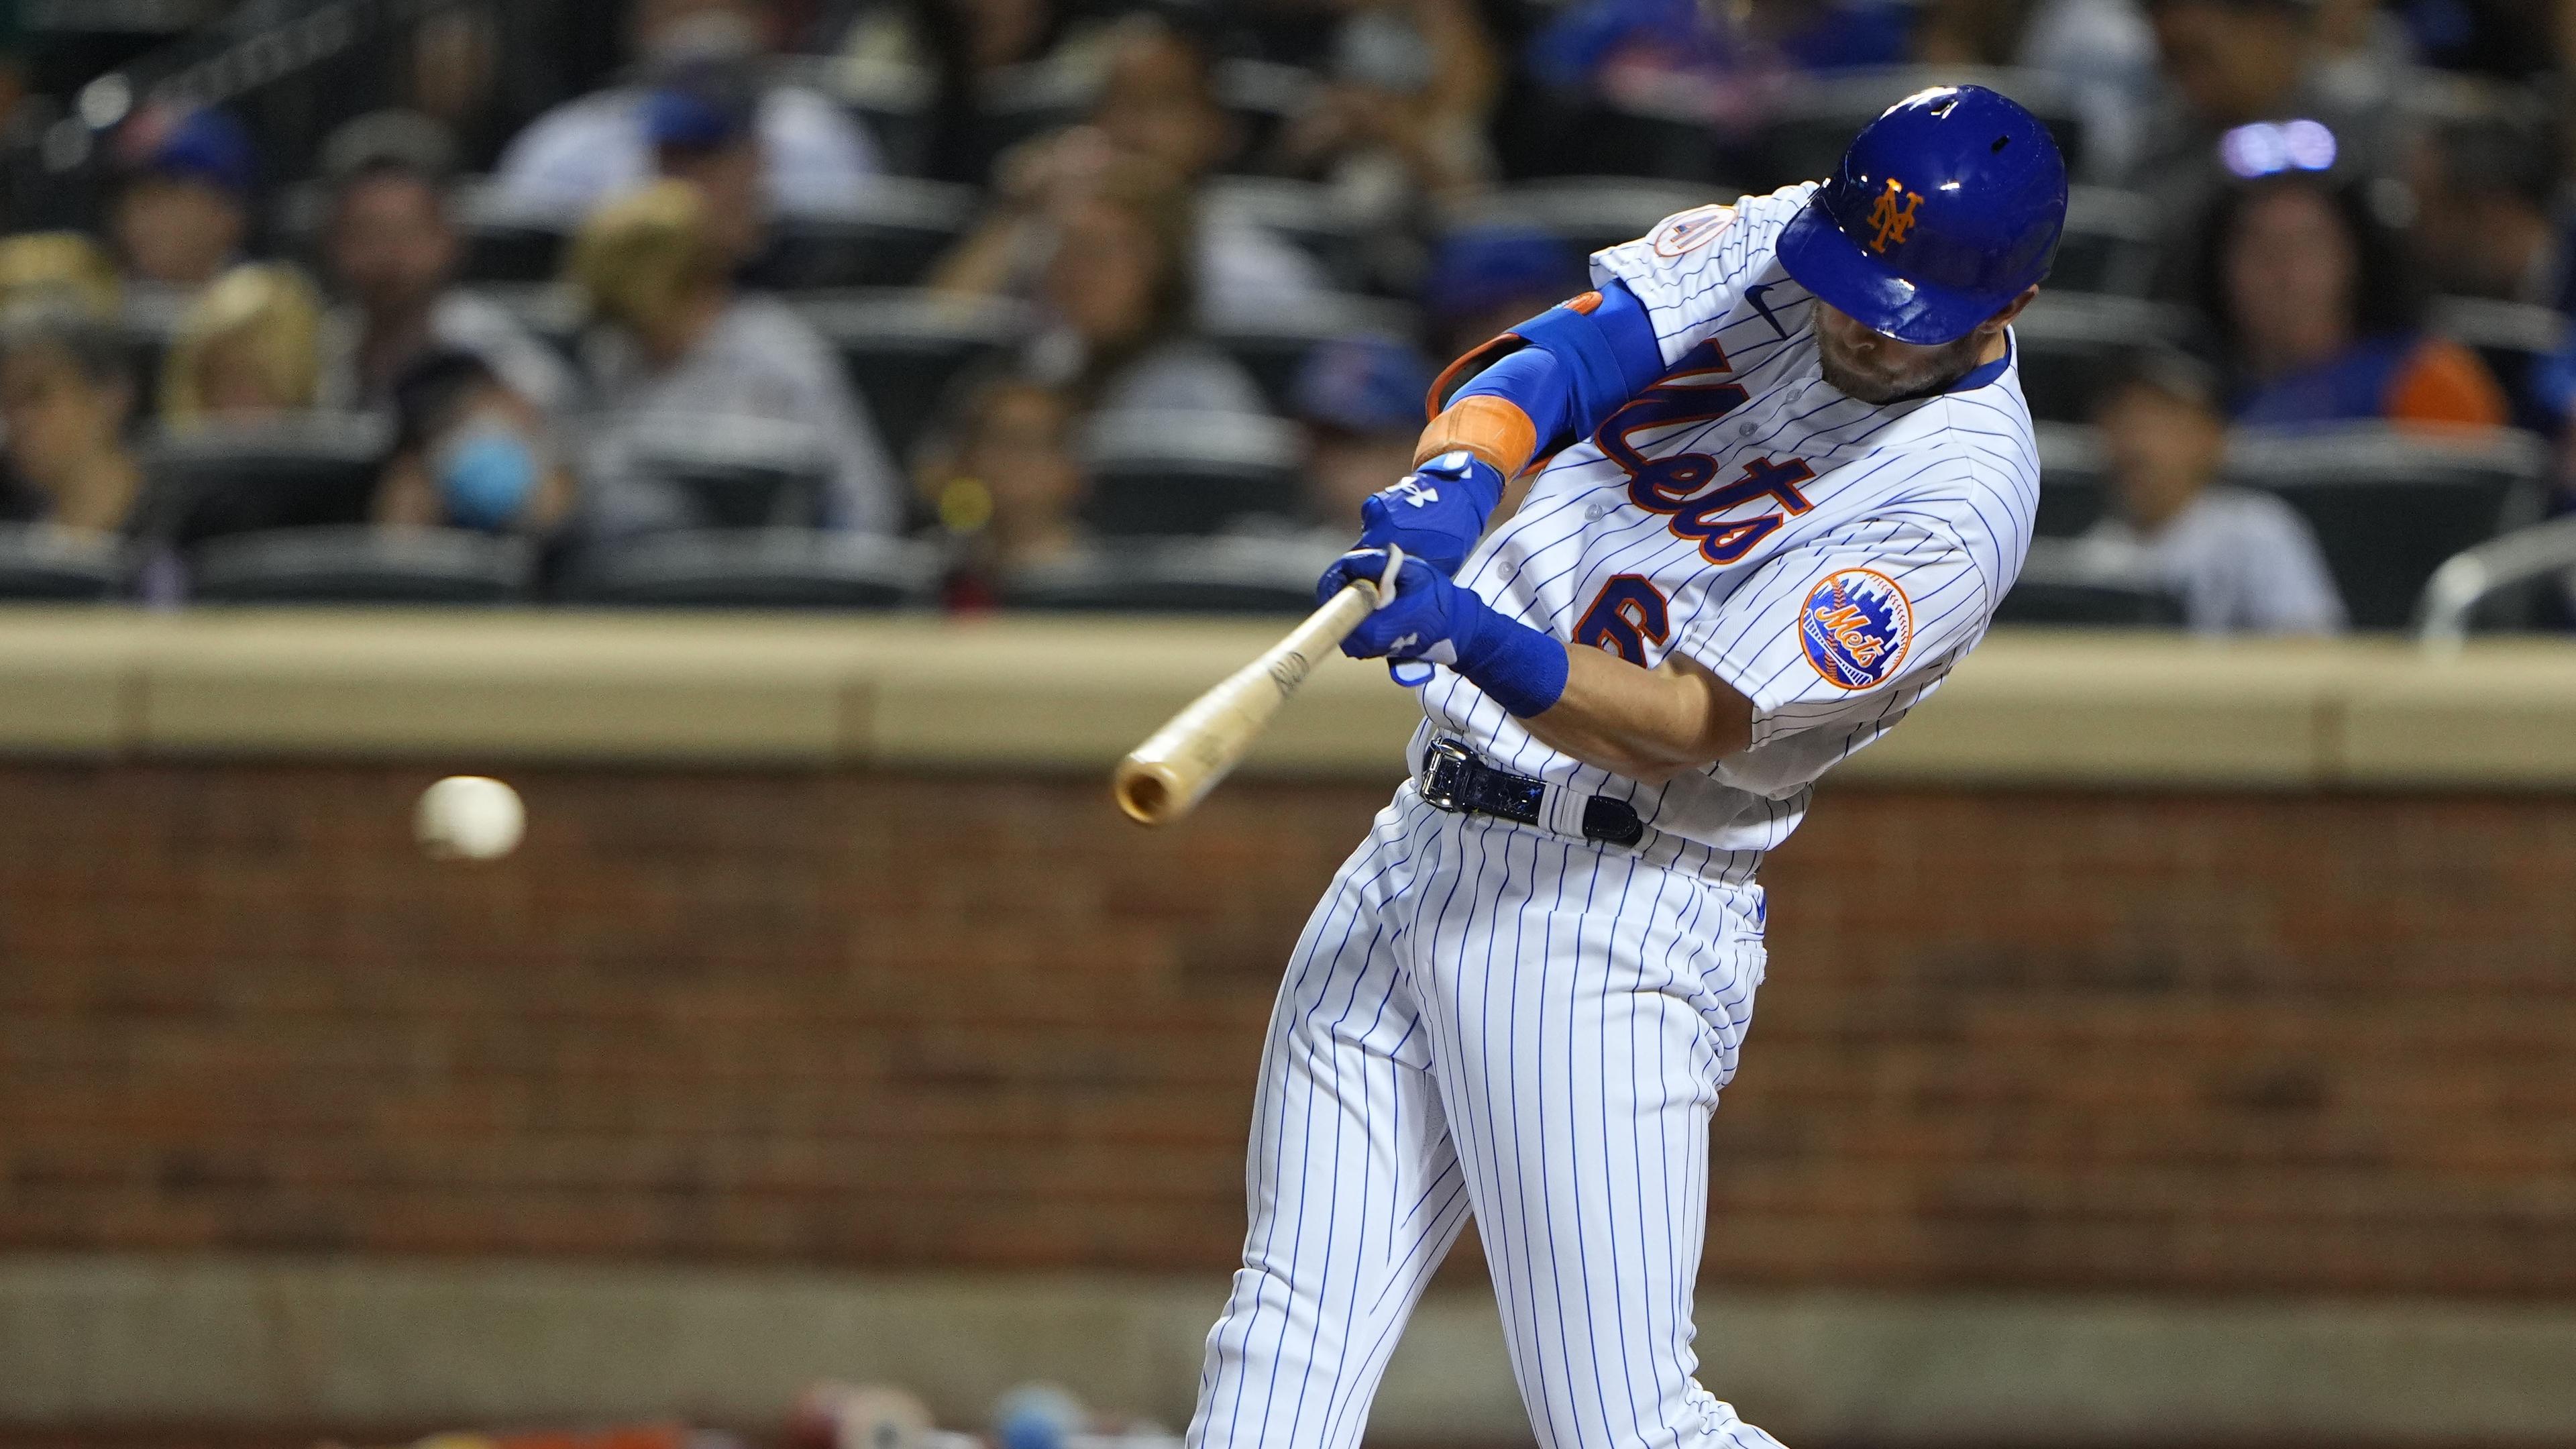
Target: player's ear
(2012, 309)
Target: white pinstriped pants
(1482, 1017)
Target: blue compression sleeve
(1578, 367)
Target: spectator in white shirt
(814, 154)
(393, 252)
(2240, 561)
(677, 343)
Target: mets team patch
(1856, 626)
(1693, 229)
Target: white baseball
(469, 817)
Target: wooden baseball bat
(1164, 778)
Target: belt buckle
(1444, 777)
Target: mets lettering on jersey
(1728, 494)
(1856, 626)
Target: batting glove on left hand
(1435, 619)
(1437, 512)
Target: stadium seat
(1025, 101)
(550, 311)
(1263, 96)
(38, 563)
(1236, 575)
(2390, 504)
(2504, 583)
(301, 471)
(770, 568)
(2515, 339)
(885, 236)
(2111, 246)
(738, 472)
(358, 564)
(1816, 118)
(506, 241)
(2075, 585)
(2074, 480)
(1313, 216)
(903, 349)
(2072, 344)
(1588, 213)
(1272, 349)
(1187, 473)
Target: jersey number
(1670, 486)
(1625, 616)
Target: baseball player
(1785, 472)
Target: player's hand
(1434, 619)
(1437, 513)
(1421, 622)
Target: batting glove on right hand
(1437, 512)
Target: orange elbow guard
(1494, 429)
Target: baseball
(469, 817)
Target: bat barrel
(1149, 791)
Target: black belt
(1457, 781)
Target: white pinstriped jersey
(1829, 559)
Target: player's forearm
(1645, 724)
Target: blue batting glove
(1435, 619)
(1437, 512)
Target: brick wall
(2052, 1040)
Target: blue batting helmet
(1944, 209)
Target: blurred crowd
(1034, 286)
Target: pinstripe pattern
(1439, 1047)
(1936, 494)
(1491, 1019)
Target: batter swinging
(1789, 473)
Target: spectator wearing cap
(183, 211)
(470, 451)
(246, 349)
(393, 250)
(814, 156)
(1484, 281)
(675, 340)
(1361, 401)
(2319, 313)
(704, 127)
(66, 397)
(2240, 561)
(1003, 476)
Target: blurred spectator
(1404, 115)
(969, 47)
(2240, 561)
(394, 250)
(704, 126)
(66, 394)
(2319, 313)
(470, 451)
(676, 341)
(1484, 281)
(2511, 39)
(183, 209)
(64, 266)
(2102, 51)
(815, 155)
(1158, 109)
(1118, 283)
(1003, 477)
(1723, 64)
(2485, 197)
(247, 348)
(1362, 401)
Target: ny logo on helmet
(1893, 221)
